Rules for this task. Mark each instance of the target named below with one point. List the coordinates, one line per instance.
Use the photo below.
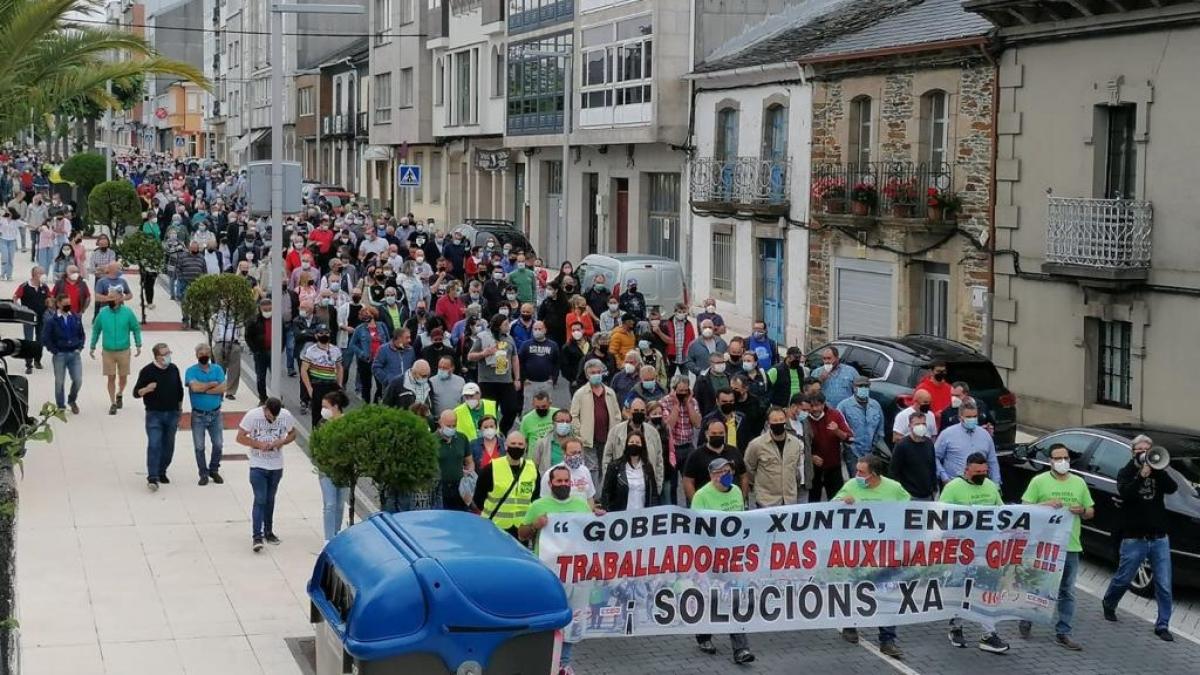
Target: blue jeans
(8, 249)
(289, 345)
(180, 291)
(1133, 553)
(265, 483)
(63, 363)
(887, 634)
(161, 426)
(207, 421)
(564, 655)
(333, 502)
(45, 260)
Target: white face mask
(1060, 466)
(955, 401)
(326, 414)
(919, 430)
(707, 333)
(489, 433)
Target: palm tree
(50, 59)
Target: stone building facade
(905, 124)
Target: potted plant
(830, 192)
(942, 205)
(863, 198)
(903, 196)
(214, 297)
(144, 252)
(85, 171)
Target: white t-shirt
(256, 426)
(901, 426)
(636, 477)
(581, 482)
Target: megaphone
(1157, 457)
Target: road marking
(899, 665)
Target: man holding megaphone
(1142, 484)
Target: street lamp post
(277, 253)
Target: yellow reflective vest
(512, 512)
(465, 423)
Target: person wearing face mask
(647, 386)
(601, 353)
(365, 342)
(920, 404)
(498, 369)
(956, 443)
(959, 392)
(454, 250)
(710, 314)
(320, 368)
(522, 326)
(709, 381)
(676, 333)
(454, 459)
(829, 431)
(161, 390)
(787, 377)
(189, 267)
(624, 381)
(472, 411)
(258, 341)
(115, 324)
(540, 359)
(973, 488)
(523, 280)
(488, 445)
(101, 258)
(33, 294)
(913, 462)
(446, 385)
(394, 358)
(265, 430)
(699, 355)
(937, 383)
(869, 485)
(837, 378)
(63, 337)
(507, 487)
(549, 450)
(864, 415)
(721, 492)
(63, 259)
(1062, 490)
(206, 383)
(610, 318)
(438, 345)
(775, 463)
(764, 349)
(715, 446)
(636, 421)
(630, 483)
(594, 410)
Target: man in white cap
(472, 410)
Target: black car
(498, 232)
(896, 364)
(1097, 454)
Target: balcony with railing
(902, 194)
(741, 184)
(363, 125)
(1102, 239)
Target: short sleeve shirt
(322, 363)
(204, 402)
(888, 490)
(547, 505)
(1073, 492)
(256, 426)
(965, 493)
(709, 498)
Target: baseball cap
(717, 464)
(470, 389)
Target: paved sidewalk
(113, 578)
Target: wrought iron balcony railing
(1110, 236)
(741, 181)
(896, 189)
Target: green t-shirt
(523, 281)
(534, 427)
(547, 505)
(965, 493)
(450, 456)
(709, 498)
(1072, 491)
(888, 490)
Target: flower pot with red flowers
(903, 196)
(942, 205)
(863, 198)
(830, 193)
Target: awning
(377, 153)
(246, 140)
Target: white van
(659, 279)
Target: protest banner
(668, 570)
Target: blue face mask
(562, 428)
(449, 432)
(649, 386)
(970, 423)
(862, 482)
(727, 480)
(596, 378)
(863, 392)
(802, 416)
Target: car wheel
(1143, 580)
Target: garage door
(864, 302)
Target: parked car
(478, 232)
(660, 279)
(896, 364)
(336, 195)
(1097, 453)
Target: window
(406, 87)
(524, 15)
(722, 261)
(419, 160)
(462, 105)
(193, 103)
(553, 176)
(1108, 458)
(498, 73)
(775, 127)
(536, 78)
(860, 131)
(306, 102)
(662, 220)
(383, 21)
(383, 98)
(617, 70)
(406, 11)
(726, 147)
(435, 178)
(935, 301)
(1114, 355)
(1077, 444)
(935, 126)
(439, 82)
(1120, 154)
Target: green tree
(86, 170)
(142, 251)
(393, 447)
(214, 296)
(115, 204)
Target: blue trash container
(433, 592)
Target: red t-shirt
(451, 311)
(826, 445)
(940, 393)
(322, 238)
(373, 330)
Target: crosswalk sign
(408, 175)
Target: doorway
(519, 197)
(621, 217)
(593, 196)
(770, 289)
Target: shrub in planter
(212, 295)
(146, 253)
(116, 206)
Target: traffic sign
(408, 175)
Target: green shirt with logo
(965, 493)
(1073, 491)
(546, 505)
(709, 498)
(888, 490)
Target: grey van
(659, 279)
